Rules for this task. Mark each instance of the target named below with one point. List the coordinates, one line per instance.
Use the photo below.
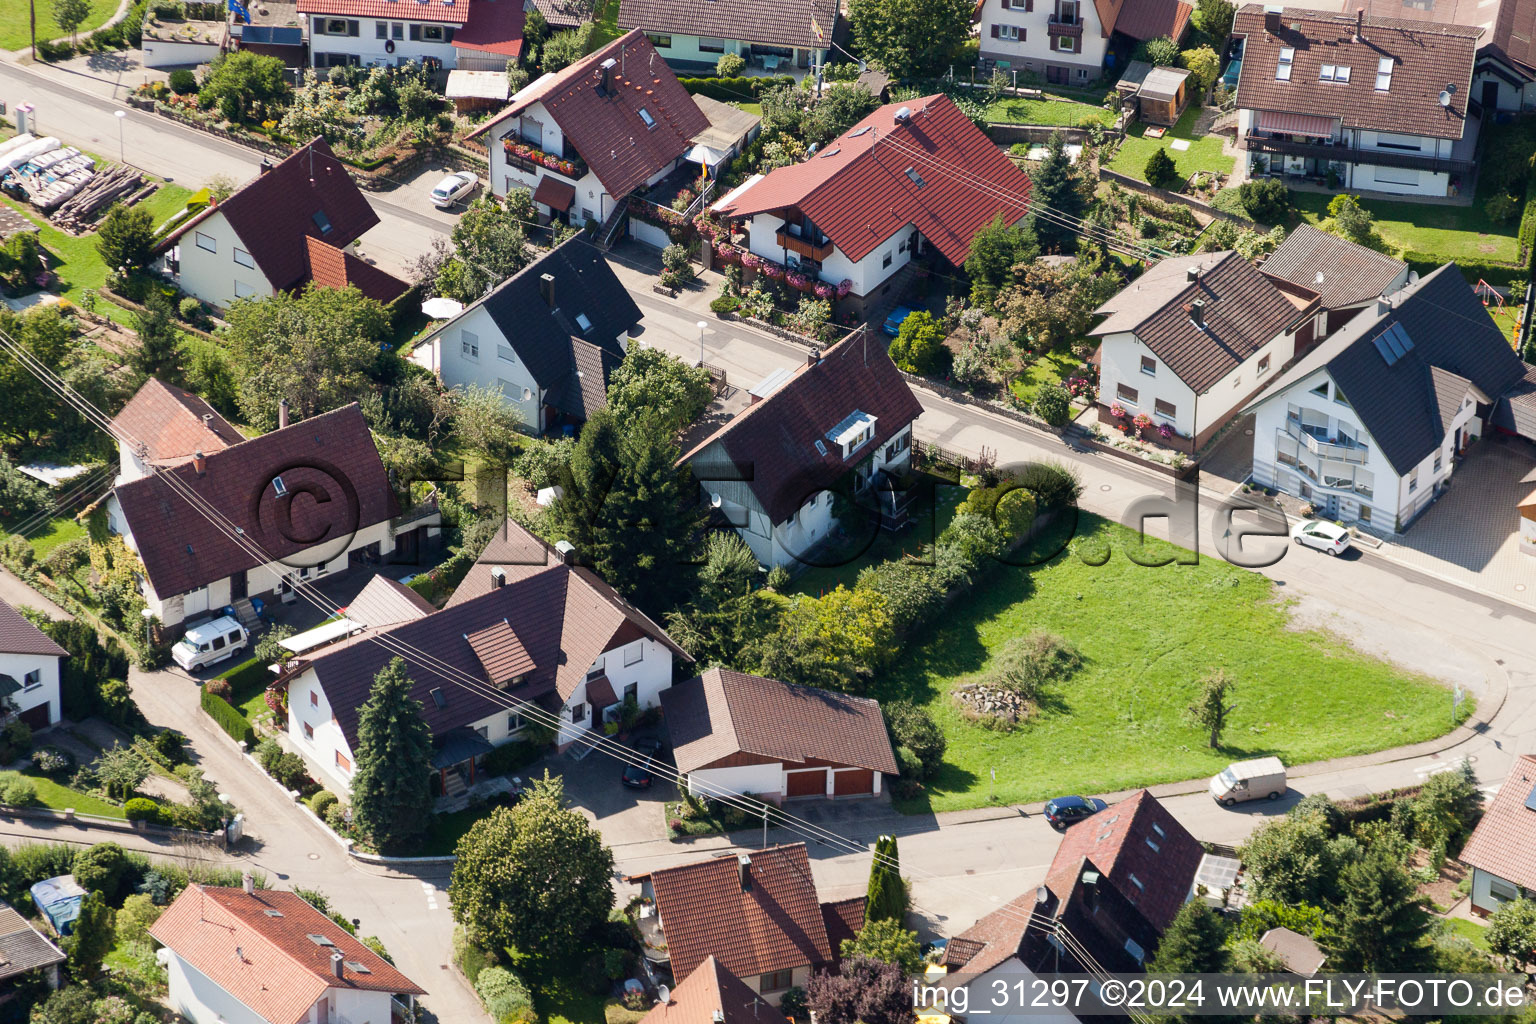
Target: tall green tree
(490, 244)
(630, 510)
(69, 15)
(1378, 922)
(910, 38)
(1195, 943)
(1214, 18)
(240, 81)
(391, 791)
(126, 238)
(652, 381)
(888, 942)
(93, 937)
(723, 616)
(835, 642)
(1210, 708)
(315, 349)
(159, 351)
(535, 878)
(1291, 861)
(1054, 184)
(887, 899)
(995, 251)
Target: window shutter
(996, 31)
(1023, 34)
(1005, 5)
(1029, 6)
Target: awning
(600, 693)
(554, 193)
(1296, 124)
(459, 745)
(701, 154)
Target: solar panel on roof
(1530, 800)
(272, 35)
(1385, 349)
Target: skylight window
(1384, 74)
(861, 131)
(1333, 73)
(353, 965)
(583, 322)
(439, 698)
(645, 115)
(1341, 73)
(278, 487)
(1325, 73)
(1283, 68)
(917, 179)
(320, 940)
(322, 222)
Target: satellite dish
(1042, 894)
(664, 993)
(1445, 98)
(714, 500)
(1413, 277)
(1319, 278)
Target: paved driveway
(624, 816)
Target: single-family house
(478, 35)
(1364, 103)
(1502, 849)
(532, 640)
(25, 951)
(585, 138)
(1070, 42)
(1368, 426)
(286, 227)
(712, 995)
(178, 42)
(1192, 339)
(186, 475)
(1345, 276)
(548, 337)
(274, 28)
(788, 33)
(842, 420)
(742, 734)
(854, 216)
(560, 15)
(257, 956)
(756, 914)
(29, 670)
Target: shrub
(541, 463)
(141, 808)
(289, 770)
(19, 792)
(918, 343)
(267, 752)
(1160, 171)
(228, 717)
(1055, 485)
(913, 728)
(100, 868)
(730, 65)
(219, 688)
(1501, 208)
(1027, 663)
(322, 802)
(777, 579)
(502, 992)
(509, 757)
(183, 81)
(724, 304)
(269, 648)
(792, 1003)
(1053, 405)
(1266, 200)
(171, 745)
(912, 592)
(336, 817)
(52, 761)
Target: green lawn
(15, 33)
(56, 532)
(52, 794)
(446, 829)
(605, 24)
(1451, 232)
(1065, 113)
(1051, 368)
(565, 1000)
(1471, 930)
(1204, 152)
(1147, 635)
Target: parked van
(1261, 778)
(209, 643)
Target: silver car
(1329, 538)
(454, 188)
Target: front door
(1491, 95)
(237, 586)
(1056, 75)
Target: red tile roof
(709, 990)
(173, 423)
(331, 454)
(1119, 841)
(276, 211)
(501, 654)
(450, 12)
(858, 191)
(384, 602)
(724, 712)
(1504, 842)
(19, 636)
(774, 925)
(495, 26)
(554, 193)
(1351, 273)
(607, 130)
(844, 920)
(1145, 19)
(773, 442)
(782, 23)
(992, 939)
(330, 267)
(258, 949)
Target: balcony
(1059, 26)
(796, 244)
(1351, 155)
(1341, 450)
(530, 158)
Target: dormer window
(1283, 68)
(853, 432)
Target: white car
(452, 189)
(1328, 538)
(209, 643)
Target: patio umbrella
(440, 308)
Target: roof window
(583, 322)
(832, 152)
(1333, 73)
(1384, 74)
(353, 965)
(917, 179)
(439, 698)
(1283, 68)
(274, 913)
(645, 115)
(320, 940)
(278, 487)
(860, 131)
(322, 222)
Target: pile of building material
(119, 182)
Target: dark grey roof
(22, 947)
(586, 389)
(18, 636)
(1404, 404)
(1517, 409)
(459, 745)
(1352, 274)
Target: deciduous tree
(69, 15)
(1210, 708)
(1214, 18)
(835, 642)
(239, 80)
(888, 942)
(490, 244)
(652, 381)
(391, 794)
(487, 423)
(1512, 933)
(867, 991)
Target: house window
(634, 653)
(397, 30)
(645, 115)
(469, 345)
(885, 261)
(1237, 380)
(1149, 366)
(505, 352)
(207, 242)
(1263, 366)
(381, 30)
(1413, 481)
(583, 322)
(708, 45)
(430, 34)
(1365, 513)
(1502, 890)
(1165, 409)
(1406, 142)
(1064, 44)
(578, 712)
(309, 731)
(243, 258)
(483, 731)
(1155, 847)
(1126, 393)
(777, 981)
(596, 670)
(659, 41)
(1338, 396)
(242, 290)
(632, 693)
(343, 762)
(314, 699)
(321, 221)
(1137, 882)
(1082, 74)
(1159, 830)
(1384, 74)
(515, 722)
(1437, 462)
(32, 680)
(1134, 948)
(1283, 66)
(1008, 32)
(1321, 390)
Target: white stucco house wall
(1502, 849)
(29, 670)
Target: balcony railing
(529, 158)
(796, 244)
(1060, 27)
(1341, 451)
(1352, 155)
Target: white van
(1263, 777)
(209, 643)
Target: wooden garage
(806, 782)
(853, 782)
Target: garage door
(37, 717)
(853, 782)
(808, 783)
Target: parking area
(624, 815)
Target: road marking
(430, 891)
(1440, 767)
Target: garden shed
(59, 901)
(1163, 94)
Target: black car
(1064, 810)
(641, 774)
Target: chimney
(1272, 22)
(282, 414)
(498, 578)
(1192, 275)
(814, 357)
(744, 871)
(607, 80)
(1359, 24)
(1197, 312)
(266, 164)
(547, 289)
(199, 463)
(338, 969)
(248, 884)
(1383, 305)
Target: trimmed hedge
(142, 808)
(229, 718)
(734, 90)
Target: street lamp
(701, 325)
(148, 617)
(121, 116)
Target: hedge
(229, 718)
(734, 90)
(248, 675)
(1494, 272)
(141, 808)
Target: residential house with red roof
(713, 995)
(1502, 849)
(1366, 102)
(309, 499)
(777, 36)
(732, 732)
(474, 35)
(757, 916)
(584, 138)
(258, 956)
(1067, 42)
(288, 226)
(841, 422)
(29, 670)
(526, 639)
(908, 178)
(1192, 339)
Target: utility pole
(32, 16)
